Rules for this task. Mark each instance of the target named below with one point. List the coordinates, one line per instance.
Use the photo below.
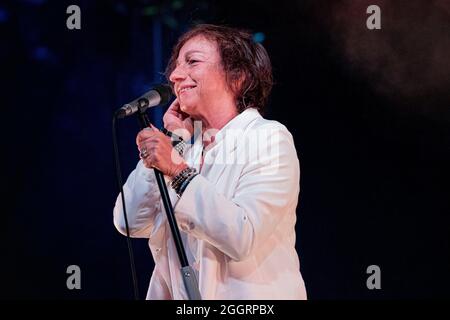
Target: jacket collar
(240, 122)
(235, 126)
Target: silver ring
(143, 154)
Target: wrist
(174, 137)
(171, 128)
(181, 181)
(177, 134)
(178, 142)
(178, 169)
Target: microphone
(160, 94)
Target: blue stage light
(259, 37)
(4, 16)
(41, 53)
(35, 2)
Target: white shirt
(237, 217)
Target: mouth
(185, 89)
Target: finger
(149, 144)
(175, 109)
(143, 146)
(143, 152)
(154, 140)
(144, 134)
(175, 106)
(158, 135)
(149, 162)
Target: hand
(178, 122)
(156, 152)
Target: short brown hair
(243, 60)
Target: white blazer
(237, 218)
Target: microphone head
(161, 94)
(165, 91)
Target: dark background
(369, 111)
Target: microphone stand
(188, 274)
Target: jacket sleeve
(267, 190)
(142, 200)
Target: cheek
(219, 79)
(213, 82)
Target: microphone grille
(165, 91)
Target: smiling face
(198, 78)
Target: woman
(234, 190)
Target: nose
(178, 74)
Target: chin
(187, 109)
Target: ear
(238, 81)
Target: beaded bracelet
(177, 142)
(180, 146)
(185, 184)
(180, 177)
(180, 182)
(176, 181)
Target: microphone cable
(119, 183)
